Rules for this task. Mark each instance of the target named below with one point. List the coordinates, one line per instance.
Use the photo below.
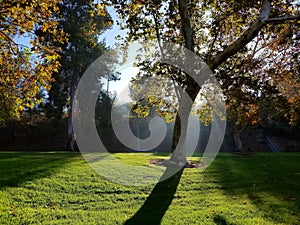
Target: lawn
(61, 188)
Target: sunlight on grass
(61, 188)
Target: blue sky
(111, 34)
(127, 71)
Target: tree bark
(179, 136)
(237, 140)
(181, 122)
(186, 25)
(71, 143)
(176, 132)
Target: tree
(214, 30)
(83, 21)
(263, 73)
(103, 110)
(111, 77)
(22, 75)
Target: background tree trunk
(71, 143)
(237, 140)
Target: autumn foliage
(26, 70)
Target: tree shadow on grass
(158, 201)
(17, 168)
(270, 182)
(220, 220)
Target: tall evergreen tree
(83, 21)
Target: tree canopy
(83, 21)
(252, 46)
(22, 73)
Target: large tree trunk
(179, 135)
(186, 100)
(181, 123)
(176, 133)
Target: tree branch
(237, 45)
(162, 52)
(282, 19)
(244, 39)
(156, 22)
(249, 34)
(255, 48)
(186, 25)
(265, 10)
(7, 37)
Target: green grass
(61, 188)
